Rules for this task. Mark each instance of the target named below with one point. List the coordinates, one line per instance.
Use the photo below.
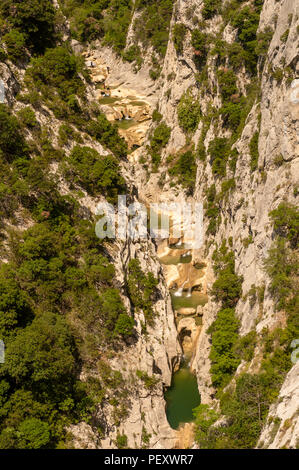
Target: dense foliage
(188, 112)
(227, 290)
(158, 141)
(29, 24)
(59, 301)
(142, 289)
(184, 170)
(96, 173)
(152, 26)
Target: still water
(182, 397)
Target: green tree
(124, 325)
(286, 222)
(15, 44)
(41, 351)
(188, 113)
(34, 18)
(34, 434)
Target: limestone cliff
(243, 211)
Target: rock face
(282, 427)
(156, 353)
(125, 103)
(244, 212)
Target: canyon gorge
(206, 105)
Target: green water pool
(108, 100)
(181, 398)
(175, 259)
(126, 123)
(185, 301)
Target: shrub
(178, 34)
(263, 41)
(185, 170)
(34, 19)
(211, 7)
(218, 150)
(227, 83)
(227, 288)
(152, 26)
(41, 352)
(95, 173)
(149, 382)
(124, 325)
(284, 36)
(12, 143)
(15, 44)
(199, 43)
(132, 54)
(108, 135)
(281, 267)
(116, 23)
(158, 141)
(286, 222)
(142, 289)
(212, 210)
(204, 418)
(236, 55)
(246, 20)
(245, 345)
(156, 117)
(254, 151)
(58, 68)
(188, 113)
(160, 137)
(121, 441)
(27, 117)
(34, 434)
(224, 360)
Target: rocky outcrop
(118, 101)
(155, 353)
(282, 427)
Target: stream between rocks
(186, 296)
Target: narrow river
(182, 396)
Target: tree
(15, 44)
(35, 18)
(124, 325)
(188, 113)
(34, 434)
(12, 143)
(204, 418)
(96, 173)
(142, 288)
(14, 307)
(224, 360)
(42, 351)
(286, 222)
(227, 289)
